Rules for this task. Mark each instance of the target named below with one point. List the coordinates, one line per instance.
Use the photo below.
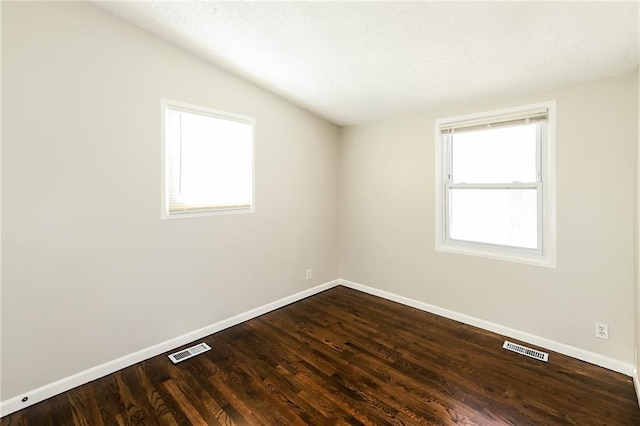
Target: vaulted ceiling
(354, 62)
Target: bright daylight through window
(208, 161)
(495, 184)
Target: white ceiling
(353, 62)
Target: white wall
(87, 262)
(386, 220)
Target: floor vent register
(189, 353)
(523, 350)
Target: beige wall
(87, 262)
(386, 217)
(637, 249)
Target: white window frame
(167, 104)
(546, 187)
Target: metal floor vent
(532, 353)
(189, 353)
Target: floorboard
(346, 357)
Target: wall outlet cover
(602, 330)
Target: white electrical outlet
(602, 330)
(308, 274)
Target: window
(495, 184)
(208, 161)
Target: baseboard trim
(47, 391)
(636, 384)
(581, 354)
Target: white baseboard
(581, 354)
(636, 383)
(47, 391)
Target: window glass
(495, 155)
(215, 159)
(208, 161)
(506, 217)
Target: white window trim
(547, 256)
(186, 107)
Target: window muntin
(495, 195)
(208, 161)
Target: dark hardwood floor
(345, 357)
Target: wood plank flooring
(345, 357)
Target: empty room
(289, 213)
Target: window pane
(210, 161)
(215, 159)
(502, 155)
(495, 216)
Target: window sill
(207, 213)
(495, 253)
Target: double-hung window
(495, 184)
(207, 161)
